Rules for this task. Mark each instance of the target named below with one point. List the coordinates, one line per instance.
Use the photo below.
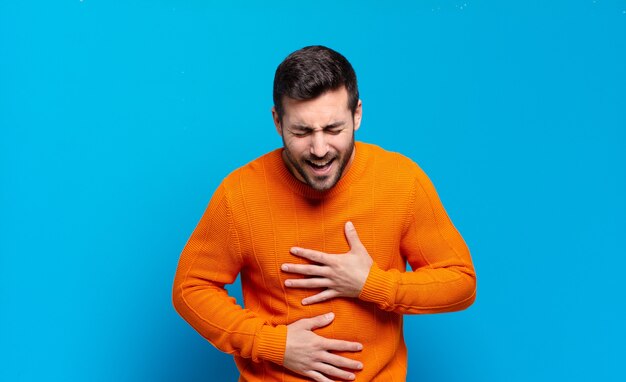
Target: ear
(279, 129)
(358, 113)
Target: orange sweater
(260, 211)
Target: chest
(268, 229)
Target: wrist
(270, 344)
(378, 287)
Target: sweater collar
(358, 165)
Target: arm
(211, 259)
(443, 278)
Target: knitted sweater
(260, 211)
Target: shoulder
(396, 172)
(391, 162)
(253, 173)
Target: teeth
(319, 164)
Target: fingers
(318, 321)
(318, 377)
(352, 236)
(341, 362)
(332, 371)
(314, 282)
(313, 356)
(322, 296)
(305, 269)
(313, 255)
(341, 345)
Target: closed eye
(301, 133)
(335, 128)
(334, 131)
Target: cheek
(343, 143)
(296, 146)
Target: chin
(323, 185)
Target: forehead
(327, 108)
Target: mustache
(321, 159)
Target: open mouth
(320, 167)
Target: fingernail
(288, 283)
(328, 315)
(359, 366)
(294, 251)
(359, 347)
(284, 267)
(350, 225)
(351, 376)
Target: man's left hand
(342, 275)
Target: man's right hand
(310, 355)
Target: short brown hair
(311, 71)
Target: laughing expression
(318, 137)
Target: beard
(302, 166)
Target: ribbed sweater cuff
(378, 288)
(271, 342)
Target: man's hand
(310, 355)
(342, 275)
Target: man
(322, 302)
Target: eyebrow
(330, 126)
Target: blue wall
(118, 119)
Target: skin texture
(311, 355)
(318, 131)
(321, 132)
(342, 275)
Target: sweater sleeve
(443, 277)
(212, 258)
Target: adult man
(320, 305)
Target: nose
(319, 145)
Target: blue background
(119, 119)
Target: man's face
(318, 137)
